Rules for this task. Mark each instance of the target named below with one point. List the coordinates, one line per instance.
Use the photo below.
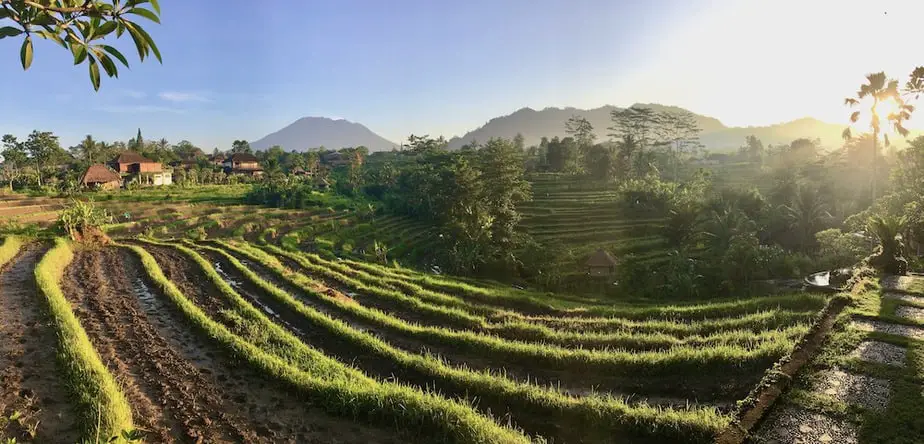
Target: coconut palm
(880, 90)
(87, 148)
(807, 214)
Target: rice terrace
(563, 275)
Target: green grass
(9, 249)
(402, 407)
(599, 416)
(102, 409)
(680, 360)
(446, 310)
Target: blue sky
(240, 69)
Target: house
(334, 159)
(217, 159)
(101, 177)
(299, 171)
(600, 263)
(242, 163)
(134, 167)
(130, 162)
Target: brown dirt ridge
(182, 387)
(29, 380)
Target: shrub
(83, 221)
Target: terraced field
(581, 217)
(231, 340)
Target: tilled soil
(29, 380)
(182, 387)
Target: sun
(886, 107)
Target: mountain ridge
(716, 136)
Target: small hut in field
(98, 176)
(601, 263)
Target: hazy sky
(240, 69)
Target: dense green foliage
(80, 26)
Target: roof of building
(99, 174)
(131, 157)
(601, 258)
(218, 157)
(243, 157)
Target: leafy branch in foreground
(80, 26)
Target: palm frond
(854, 117)
(851, 101)
(846, 134)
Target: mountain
(717, 137)
(313, 132)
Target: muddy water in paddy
(29, 379)
(182, 387)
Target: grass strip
(612, 363)
(9, 249)
(598, 415)
(102, 410)
(388, 404)
(517, 329)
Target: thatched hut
(601, 263)
(98, 176)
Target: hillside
(313, 132)
(550, 122)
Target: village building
(334, 158)
(601, 263)
(134, 167)
(299, 171)
(243, 163)
(218, 159)
(100, 177)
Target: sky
(239, 69)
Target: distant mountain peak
(332, 133)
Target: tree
(241, 146)
(14, 159)
(562, 155)
(88, 149)
(599, 162)
(889, 256)
(581, 130)
(44, 150)
(504, 188)
(426, 144)
(882, 92)
(136, 143)
(357, 157)
(81, 26)
(680, 132)
(753, 148)
(807, 215)
(636, 129)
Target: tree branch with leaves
(81, 26)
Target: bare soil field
(184, 388)
(29, 382)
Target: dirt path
(183, 387)
(29, 379)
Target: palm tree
(87, 148)
(807, 214)
(889, 257)
(880, 90)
